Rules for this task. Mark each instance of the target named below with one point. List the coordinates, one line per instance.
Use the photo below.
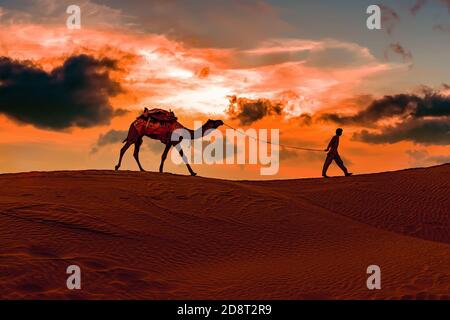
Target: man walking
(333, 154)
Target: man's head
(339, 131)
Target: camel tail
(125, 140)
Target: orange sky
(196, 82)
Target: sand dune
(153, 236)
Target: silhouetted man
(333, 154)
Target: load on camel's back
(161, 115)
(159, 124)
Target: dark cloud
(422, 119)
(75, 94)
(432, 104)
(386, 107)
(397, 48)
(305, 119)
(358, 101)
(117, 136)
(422, 131)
(417, 155)
(251, 110)
(389, 18)
(112, 136)
(418, 6)
(121, 112)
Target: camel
(153, 131)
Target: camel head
(213, 124)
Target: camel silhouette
(162, 131)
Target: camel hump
(162, 115)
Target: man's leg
(326, 164)
(340, 164)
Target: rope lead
(275, 144)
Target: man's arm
(330, 145)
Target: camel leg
(164, 156)
(137, 147)
(185, 160)
(122, 152)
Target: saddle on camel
(159, 124)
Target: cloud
(423, 158)
(418, 6)
(389, 18)
(120, 112)
(54, 12)
(305, 119)
(112, 136)
(117, 136)
(386, 107)
(165, 72)
(75, 94)
(417, 155)
(338, 57)
(326, 54)
(400, 50)
(421, 119)
(432, 104)
(422, 131)
(440, 159)
(251, 110)
(216, 23)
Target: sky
(68, 96)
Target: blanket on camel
(160, 124)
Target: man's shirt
(333, 145)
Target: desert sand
(162, 236)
